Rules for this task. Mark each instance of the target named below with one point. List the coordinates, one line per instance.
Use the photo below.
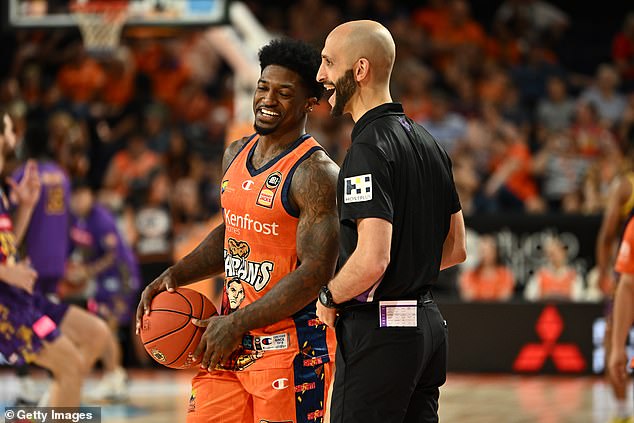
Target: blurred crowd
(146, 126)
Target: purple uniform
(91, 238)
(23, 326)
(46, 239)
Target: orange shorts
(261, 396)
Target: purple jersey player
(99, 249)
(99, 252)
(28, 334)
(49, 226)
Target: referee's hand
(326, 315)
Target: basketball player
(619, 207)
(99, 253)
(401, 223)
(623, 312)
(271, 359)
(46, 245)
(28, 334)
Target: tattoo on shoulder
(231, 152)
(314, 185)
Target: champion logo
(247, 185)
(566, 357)
(280, 384)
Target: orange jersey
(556, 284)
(260, 249)
(493, 286)
(625, 258)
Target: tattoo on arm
(207, 259)
(204, 261)
(313, 190)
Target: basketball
(168, 334)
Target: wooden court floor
(161, 397)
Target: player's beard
(263, 131)
(345, 87)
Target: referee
(401, 223)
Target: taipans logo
(223, 186)
(247, 185)
(235, 222)
(255, 274)
(158, 355)
(280, 384)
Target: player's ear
(310, 103)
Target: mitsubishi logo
(566, 357)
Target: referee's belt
(425, 298)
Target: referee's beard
(345, 87)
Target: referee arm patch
(357, 189)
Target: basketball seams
(193, 336)
(168, 333)
(180, 342)
(167, 310)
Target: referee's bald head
(366, 39)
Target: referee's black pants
(389, 375)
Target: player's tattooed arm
(204, 261)
(207, 259)
(313, 192)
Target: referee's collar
(377, 112)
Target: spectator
(81, 80)
(433, 17)
(148, 220)
(555, 280)
(511, 186)
(562, 170)
(130, 165)
(447, 127)
(531, 74)
(532, 19)
(489, 280)
(590, 136)
(623, 52)
(625, 129)
(155, 126)
(467, 180)
(556, 110)
(609, 103)
(460, 37)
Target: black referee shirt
(395, 170)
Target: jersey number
(55, 200)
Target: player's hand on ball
(163, 283)
(326, 315)
(221, 338)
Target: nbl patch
(269, 189)
(357, 189)
(223, 187)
